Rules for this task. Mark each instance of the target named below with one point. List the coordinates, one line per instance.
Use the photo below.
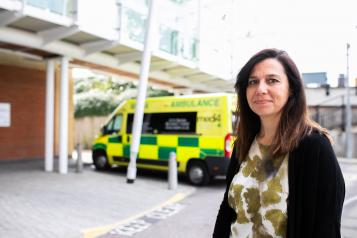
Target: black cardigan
(316, 192)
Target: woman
(283, 179)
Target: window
(136, 23)
(114, 125)
(168, 40)
(117, 123)
(166, 123)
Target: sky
(313, 32)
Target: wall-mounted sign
(5, 114)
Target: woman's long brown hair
(295, 122)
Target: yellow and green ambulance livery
(197, 128)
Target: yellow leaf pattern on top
(241, 218)
(272, 194)
(277, 218)
(258, 193)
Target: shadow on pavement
(160, 176)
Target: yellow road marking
(97, 231)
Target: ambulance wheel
(197, 173)
(100, 160)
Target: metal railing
(332, 117)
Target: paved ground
(349, 214)
(37, 204)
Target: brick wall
(24, 89)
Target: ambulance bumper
(217, 165)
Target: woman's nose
(262, 87)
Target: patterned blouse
(258, 193)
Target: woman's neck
(268, 129)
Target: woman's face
(268, 89)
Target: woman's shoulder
(315, 152)
(315, 145)
(315, 138)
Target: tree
(100, 96)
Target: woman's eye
(272, 81)
(252, 82)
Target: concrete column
(140, 100)
(63, 125)
(49, 120)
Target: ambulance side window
(166, 123)
(117, 123)
(114, 124)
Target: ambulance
(198, 128)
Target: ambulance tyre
(197, 173)
(100, 160)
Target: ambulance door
(115, 138)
